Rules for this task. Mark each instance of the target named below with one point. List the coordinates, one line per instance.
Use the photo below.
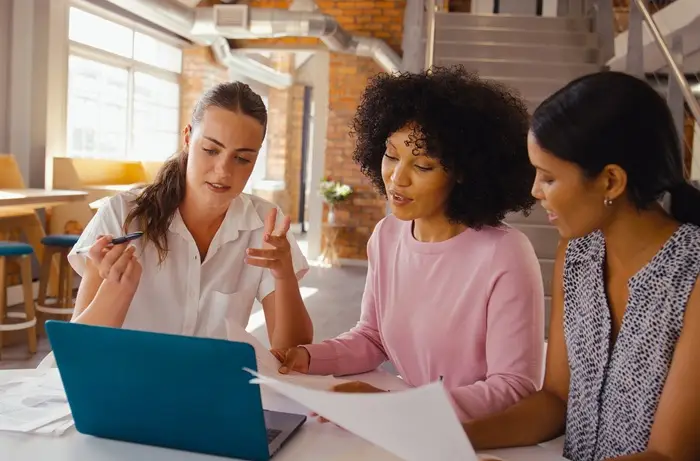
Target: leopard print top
(613, 394)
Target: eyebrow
(220, 144)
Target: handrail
(675, 70)
(431, 8)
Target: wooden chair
(62, 305)
(22, 254)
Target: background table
(315, 441)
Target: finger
(290, 360)
(99, 248)
(286, 224)
(132, 273)
(279, 354)
(264, 263)
(273, 253)
(118, 269)
(277, 241)
(270, 221)
(111, 257)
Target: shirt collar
(240, 216)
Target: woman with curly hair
(451, 292)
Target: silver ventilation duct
(205, 25)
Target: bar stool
(21, 253)
(58, 244)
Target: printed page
(415, 424)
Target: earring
(607, 202)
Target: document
(269, 365)
(33, 401)
(413, 424)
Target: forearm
(292, 322)
(535, 419)
(490, 396)
(108, 307)
(645, 456)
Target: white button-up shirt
(210, 298)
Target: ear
(186, 135)
(614, 181)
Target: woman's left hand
(276, 253)
(351, 387)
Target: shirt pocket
(229, 314)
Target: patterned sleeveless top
(613, 394)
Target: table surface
(314, 441)
(38, 197)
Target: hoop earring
(607, 202)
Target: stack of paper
(34, 403)
(414, 424)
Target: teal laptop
(166, 390)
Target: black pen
(115, 241)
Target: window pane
(156, 134)
(156, 53)
(100, 33)
(97, 109)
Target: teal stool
(61, 306)
(21, 253)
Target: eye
(210, 151)
(424, 168)
(242, 160)
(386, 154)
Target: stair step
(454, 20)
(530, 88)
(524, 68)
(457, 52)
(515, 36)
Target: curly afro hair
(476, 129)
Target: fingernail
(284, 370)
(267, 237)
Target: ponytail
(157, 203)
(685, 203)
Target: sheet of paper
(268, 365)
(30, 402)
(415, 424)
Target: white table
(315, 441)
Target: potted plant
(333, 192)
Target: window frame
(131, 65)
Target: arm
(360, 349)
(675, 434)
(514, 333)
(288, 322)
(542, 415)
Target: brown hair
(155, 206)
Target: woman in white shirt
(208, 249)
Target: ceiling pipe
(204, 25)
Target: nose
(400, 176)
(222, 165)
(536, 190)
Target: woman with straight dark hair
(623, 362)
(196, 271)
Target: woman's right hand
(116, 264)
(293, 359)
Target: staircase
(534, 55)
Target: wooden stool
(22, 254)
(62, 305)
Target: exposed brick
(200, 72)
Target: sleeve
(360, 349)
(301, 265)
(107, 221)
(514, 333)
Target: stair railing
(679, 93)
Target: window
(123, 91)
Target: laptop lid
(158, 389)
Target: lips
(550, 215)
(399, 199)
(218, 187)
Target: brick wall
(348, 77)
(200, 72)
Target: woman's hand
(293, 359)
(276, 253)
(116, 264)
(351, 387)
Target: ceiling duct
(206, 25)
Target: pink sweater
(469, 309)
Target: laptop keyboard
(272, 434)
